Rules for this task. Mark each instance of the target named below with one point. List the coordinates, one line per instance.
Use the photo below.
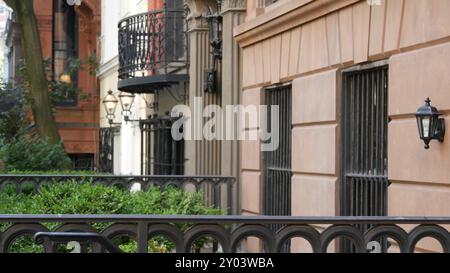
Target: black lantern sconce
(215, 25)
(431, 124)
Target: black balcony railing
(228, 232)
(153, 50)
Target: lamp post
(431, 125)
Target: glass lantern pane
(110, 107)
(426, 125)
(127, 101)
(419, 126)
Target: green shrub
(87, 198)
(12, 124)
(33, 154)
(13, 118)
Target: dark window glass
(65, 50)
(83, 162)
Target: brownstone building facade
(352, 74)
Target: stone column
(233, 14)
(203, 156)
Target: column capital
(195, 12)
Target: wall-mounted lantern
(215, 25)
(110, 102)
(431, 124)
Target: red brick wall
(78, 126)
(155, 4)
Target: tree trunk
(35, 72)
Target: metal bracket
(440, 130)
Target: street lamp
(110, 102)
(431, 125)
(126, 100)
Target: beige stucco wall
(307, 43)
(127, 141)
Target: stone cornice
(233, 5)
(108, 68)
(287, 16)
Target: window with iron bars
(278, 163)
(364, 143)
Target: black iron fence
(229, 232)
(217, 190)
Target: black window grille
(160, 153)
(107, 150)
(365, 138)
(277, 163)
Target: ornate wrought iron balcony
(153, 51)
